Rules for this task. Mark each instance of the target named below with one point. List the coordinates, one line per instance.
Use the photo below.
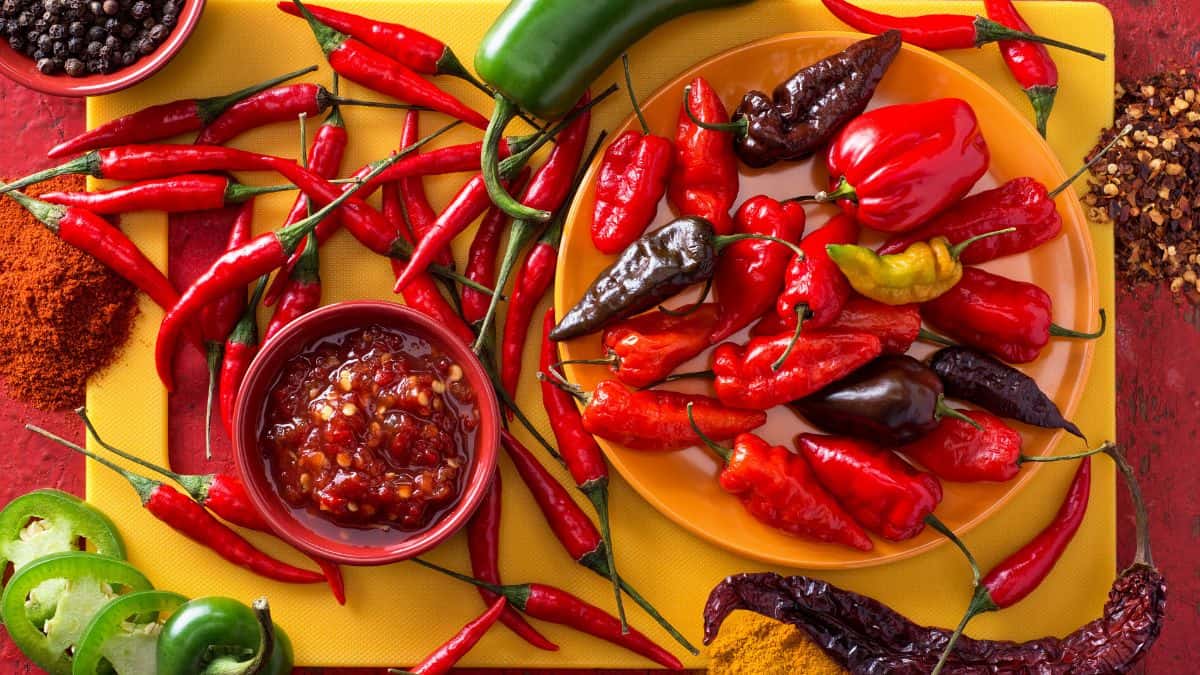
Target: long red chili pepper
(704, 180)
(191, 520)
(141, 162)
(225, 495)
(419, 213)
(164, 120)
(939, 32)
(481, 257)
(534, 277)
(1029, 62)
(1020, 573)
(358, 62)
(187, 192)
(575, 531)
(240, 348)
(483, 543)
(444, 657)
(302, 294)
(468, 204)
(558, 606)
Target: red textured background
(1158, 411)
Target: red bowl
(22, 69)
(251, 464)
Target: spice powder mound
(1147, 186)
(63, 315)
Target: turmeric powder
(751, 644)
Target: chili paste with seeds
(370, 428)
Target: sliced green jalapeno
(123, 636)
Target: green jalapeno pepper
(221, 636)
(51, 521)
(123, 636)
(91, 582)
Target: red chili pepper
(958, 451)
(163, 121)
(419, 212)
(191, 520)
(883, 492)
(483, 543)
(534, 277)
(240, 348)
(779, 488)
(1029, 62)
(895, 167)
(481, 257)
(367, 225)
(468, 204)
(450, 159)
(746, 377)
(646, 349)
(750, 273)
(896, 326)
(187, 192)
(1020, 573)
(443, 658)
(558, 606)
(1001, 316)
(302, 294)
(938, 32)
(355, 61)
(704, 181)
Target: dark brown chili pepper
(893, 400)
(807, 109)
(976, 377)
(870, 638)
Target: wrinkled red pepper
(814, 288)
(746, 377)
(957, 451)
(896, 326)
(704, 180)
(647, 348)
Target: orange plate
(682, 484)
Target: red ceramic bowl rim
(22, 69)
(261, 374)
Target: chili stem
(1142, 554)
(509, 403)
(519, 158)
(558, 381)
(1088, 164)
(690, 309)
(980, 602)
(498, 590)
(637, 108)
(142, 485)
(722, 451)
(658, 618)
(801, 310)
(610, 360)
(597, 494)
(1022, 459)
(930, 336)
(942, 410)
(212, 357)
(937, 524)
(266, 638)
(338, 100)
(987, 30)
(192, 484)
(723, 240)
(957, 249)
(1058, 331)
(739, 125)
(843, 190)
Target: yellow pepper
(919, 273)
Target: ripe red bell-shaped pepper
(745, 377)
(896, 326)
(750, 273)
(647, 348)
(1005, 317)
(704, 181)
(896, 167)
(883, 492)
(958, 451)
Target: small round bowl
(22, 69)
(252, 466)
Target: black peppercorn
(10, 6)
(140, 9)
(77, 29)
(127, 30)
(59, 49)
(158, 33)
(128, 58)
(110, 7)
(57, 31)
(75, 46)
(16, 43)
(112, 42)
(97, 66)
(24, 19)
(39, 54)
(93, 47)
(95, 33)
(111, 25)
(144, 46)
(148, 22)
(44, 41)
(45, 66)
(74, 67)
(169, 20)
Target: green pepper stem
(1142, 555)
(637, 108)
(930, 336)
(142, 485)
(212, 356)
(1087, 165)
(195, 485)
(266, 638)
(801, 309)
(610, 360)
(490, 158)
(987, 30)
(694, 375)
(87, 164)
(723, 452)
(327, 38)
(1058, 331)
(1022, 459)
(558, 381)
(494, 588)
(1041, 97)
(942, 410)
(739, 126)
(722, 240)
(531, 144)
(957, 249)
(46, 213)
(236, 193)
(212, 107)
(843, 190)
(691, 308)
(597, 494)
(981, 602)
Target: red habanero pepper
(558, 606)
(814, 288)
(647, 348)
(419, 213)
(225, 495)
(191, 520)
(896, 326)
(483, 543)
(240, 348)
(658, 420)
(895, 167)
(704, 180)
(444, 657)
(354, 60)
(883, 492)
(1020, 573)
(746, 377)
(163, 121)
(1029, 62)
(302, 293)
(939, 32)
(481, 257)
(750, 274)
(575, 531)
(632, 179)
(177, 194)
(779, 488)
(1005, 317)
(141, 162)
(534, 278)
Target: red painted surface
(1158, 412)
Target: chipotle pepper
(883, 492)
(1001, 316)
(896, 167)
(778, 487)
(704, 180)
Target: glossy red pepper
(467, 205)
(1005, 317)
(704, 179)
(163, 121)
(187, 192)
(1029, 62)
(746, 377)
(240, 348)
(419, 213)
(896, 326)
(302, 294)
(483, 543)
(750, 274)
(354, 60)
(895, 167)
(958, 451)
(443, 658)
(779, 488)
(883, 492)
(534, 277)
(481, 257)
(647, 348)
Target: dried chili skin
(869, 638)
(808, 108)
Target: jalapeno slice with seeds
(91, 581)
(219, 636)
(123, 636)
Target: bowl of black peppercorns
(91, 47)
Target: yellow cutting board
(397, 614)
